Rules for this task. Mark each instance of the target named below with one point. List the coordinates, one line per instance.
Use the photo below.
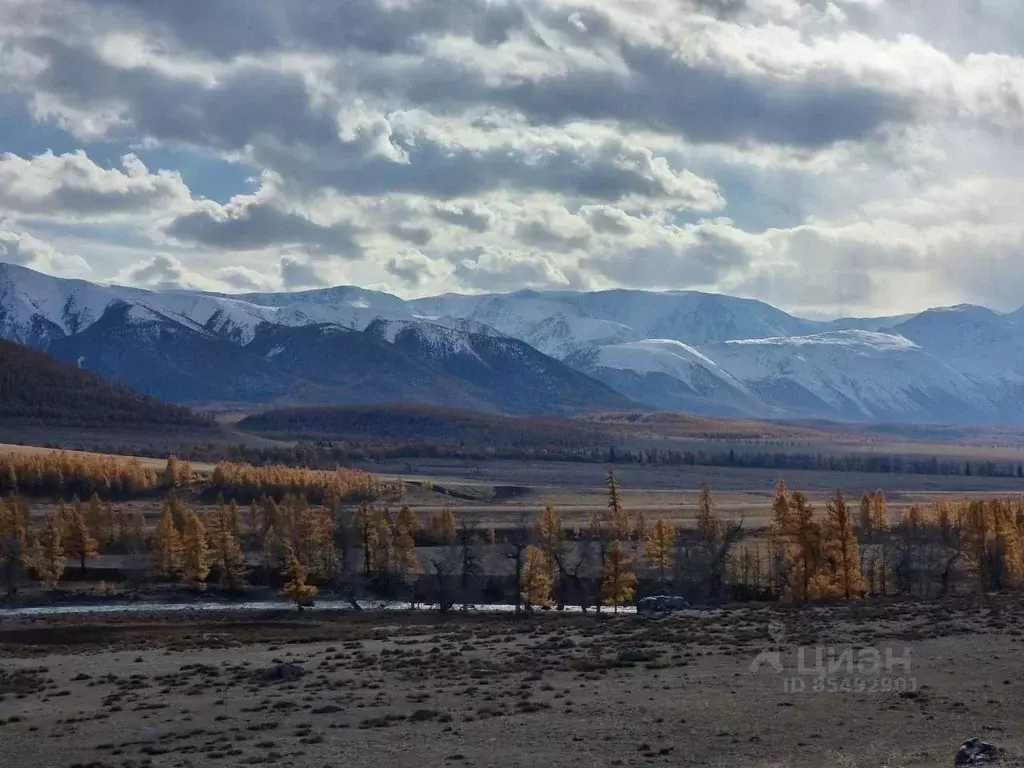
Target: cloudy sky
(828, 156)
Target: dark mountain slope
(36, 388)
(170, 360)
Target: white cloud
(28, 251)
(73, 187)
(836, 157)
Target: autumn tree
(715, 539)
(639, 528)
(803, 550)
(226, 548)
(660, 548)
(346, 547)
(274, 553)
(195, 553)
(405, 563)
(619, 527)
(952, 543)
(707, 522)
(536, 578)
(366, 524)
(550, 538)
(252, 523)
(618, 582)
(297, 589)
(782, 532)
(406, 520)
(864, 517)
(1008, 545)
(80, 543)
(94, 518)
(517, 539)
(166, 556)
(48, 551)
(979, 534)
(177, 474)
(879, 512)
(14, 542)
(840, 550)
(442, 525)
(383, 554)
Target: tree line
(62, 474)
(850, 551)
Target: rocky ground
(333, 689)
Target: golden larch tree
(803, 550)
(226, 549)
(297, 589)
(165, 561)
(383, 555)
(195, 553)
(660, 548)
(48, 551)
(619, 527)
(639, 527)
(618, 582)
(707, 522)
(274, 552)
(366, 524)
(1008, 546)
(442, 525)
(782, 537)
(549, 534)
(864, 518)
(94, 518)
(879, 513)
(841, 550)
(406, 520)
(405, 562)
(80, 543)
(536, 578)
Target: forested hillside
(36, 388)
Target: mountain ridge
(709, 353)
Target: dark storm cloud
(259, 225)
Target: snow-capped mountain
(682, 349)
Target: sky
(830, 157)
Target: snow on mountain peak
(961, 361)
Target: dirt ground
(336, 689)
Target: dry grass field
(334, 689)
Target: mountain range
(527, 352)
